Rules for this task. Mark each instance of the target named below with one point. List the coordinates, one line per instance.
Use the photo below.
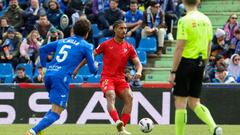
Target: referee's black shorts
(189, 78)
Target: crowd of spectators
(224, 65)
(26, 25)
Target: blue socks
(49, 118)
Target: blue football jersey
(69, 52)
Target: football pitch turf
(107, 129)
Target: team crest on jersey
(105, 82)
(125, 50)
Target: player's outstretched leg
(50, 117)
(203, 114)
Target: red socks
(125, 118)
(114, 115)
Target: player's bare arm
(176, 59)
(138, 67)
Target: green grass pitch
(107, 129)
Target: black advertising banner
(28, 104)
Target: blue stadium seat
(84, 71)
(77, 79)
(6, 71)
(9, 79)
(103, 39)
(148, 44)
(131, 40)
(28, 69)
(96, 32)
(94, 79)
(142, 56)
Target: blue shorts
(58, 89)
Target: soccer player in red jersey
(116, 53)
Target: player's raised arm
(44, 50)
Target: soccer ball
(146, 125)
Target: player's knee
(192, 104)
(110, 96)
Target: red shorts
(116, 84)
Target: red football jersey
(115, 57)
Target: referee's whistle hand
(171, 79)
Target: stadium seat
(28, 69)
(103, 39)
(157, 77)
(170, 50)
(84, 71)
(6, 72)
(94, 79)
(142, 56)
(77, 79)
(96, 32)
(163, 64)
(148, 44)
(131, 40)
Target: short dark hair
(116, 23)
(191, 2)
(152, 3)
(133, 2)
(82, 27)
(117, 1)
(20, 68)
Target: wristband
(173, 72)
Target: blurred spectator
(40, 76)
(15, 15)
(111, 14)
(133, 19)
(66, 9)
(231, 26)
(211, 67)
(235, 42)
(10, 47)
(234, 66)
(43, 26)
(30, 47)
(169, 8)
(54, 34)
(23, 3)
(64, 25)
(180, 9)
(218, 44)
(21, 76)
(99, 6)
(54, 13)
(31, 15)
(222, 75)
(124, 5)
(3, 26)
(154, 24)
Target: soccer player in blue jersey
(69, 53)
